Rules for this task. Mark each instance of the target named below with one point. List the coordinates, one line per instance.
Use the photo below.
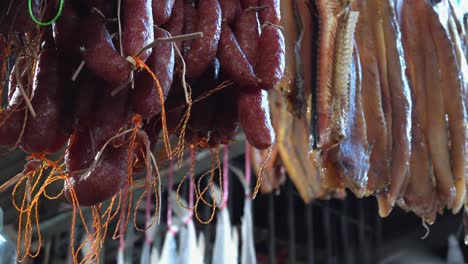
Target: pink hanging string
(248, 170)
(169, 204)
(225, 176)
(191, 187)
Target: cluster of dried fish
(385, 112)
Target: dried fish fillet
(376, 125)
(436, 132)
(351, 157)
(341, 70)
(392, 72)
(328, 11)
(454, 106)
(420, 193)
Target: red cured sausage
(248, 3)
(190, 23)
(12, 118)
(44, 134)
(175, 25)
(109, 174)
(203, 50)
(233, 60)
(85, 101)
(229, 8)
(99, 52)
(162, 10)
(105, 180)
(112, 115)
(138, 27)
(254, 117)
(271, 13)
(145, 98)
(271, 62)
(17, 20)
(247, 34)
(66, 40)
(108, 8)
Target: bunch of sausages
(87, 85)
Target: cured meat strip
(376, 128)
(392, 72)
(351, 157)
(454, 105)
(420, 194)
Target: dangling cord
(120, 253)
(248, 173)
(191, 187)
(225, 176)
(149, 239)
(169, 204)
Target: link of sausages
(162, 10)
(66, 40)
(233, 60)
(254, 117)
(12, 117)
(138, 27)
(99, 52)
(271, 61)
(104, 180)
(247, 34)
(190, 23)
(203, 50)
(44, 133)
(229, 8)
(270, 12)
(145, 98)
(175, 25)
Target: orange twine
(167, 145)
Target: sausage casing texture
(12, 117)
(175, 25)
(229, 8)
(66, 40)
(44, 134)
(85, 97)
(247, 34)
(190, 23)
(138, 27)
(248, 3)
(145, 98)
(112, 115)
(203, 50)
(233, 60)
(254, 117)
(162, 11)
(271, 13)
(104, 180)
(99, 52)
(271, 62)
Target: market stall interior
(227, 131)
